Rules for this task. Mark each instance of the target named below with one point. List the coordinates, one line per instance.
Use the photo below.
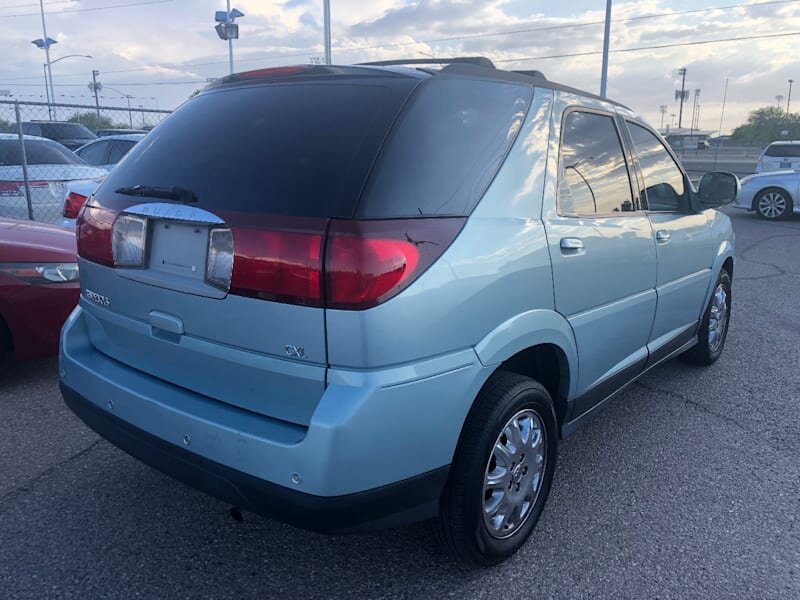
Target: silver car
(772, 195)
(50, 167)
(107, 151)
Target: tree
(93, 121)
(6, 127)
(766, 125)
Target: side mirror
(717, 189)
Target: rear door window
(300, 149)
(593, 174)
(445, 148)
(119, 148)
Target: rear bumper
(396, 504)
(375, 453)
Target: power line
(88, 9)
(436, 40)
(37, 4)
(657, 47)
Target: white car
(779, 156)
(50, 167)
(772, 196)
(75, 195)
(107, 151)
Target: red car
(38, 286)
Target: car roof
(14, 136)
(786, 142)
(475, 67)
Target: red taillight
(285, 266)
(73, 204)
(17, 188)
(368, 262)
(93, 232)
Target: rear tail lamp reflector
(129, 241)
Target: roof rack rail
(537, 74)
(480, 61)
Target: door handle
(662, 236)
(572, 246)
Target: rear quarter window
(445, 148)
(37, 152)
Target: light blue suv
(353, 297)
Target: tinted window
(64, 131)
(38, 152)
(445, 148)
(300, 149)
(783, 150)
(31, 129)
(593, 176)
(95, 154)
(119, 148)
(663, 180)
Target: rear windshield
(65, 131)
(301, 149)
(783, 150)
(37, 152)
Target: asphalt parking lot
(688, 485)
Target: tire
(512, 403)
(710, 347)
(773, 204)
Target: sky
(160, 51)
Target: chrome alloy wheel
(514, 474)
(718, 319)
(772, 205)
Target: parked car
(71, 135)
(772, 196)
(50, 167)
(105, 152)
(75, 196)
(107, 132)
(275, 312)
(779, 156)
(38, 286)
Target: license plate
(786, 165)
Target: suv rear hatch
(211, 253)
(269, 163)
(780, 157)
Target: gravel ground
(687, 485)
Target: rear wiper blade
(172, 192)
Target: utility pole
(789, 98)
(682, 97)
(96, 88)
(721, 117)
(326, 15)
(230, 45)
(663, 110)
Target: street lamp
(44, 44)
(227, 29)
(128, 98)
(779, 99)
(789, 98)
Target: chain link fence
(82, 143)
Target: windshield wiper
(172, 192)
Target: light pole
(779, 100)
(52, 62)
(604, 68)
(44, 43)
(227, 29)
(663, 110)
(326, 17)
(789, 97)
(128, 98)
